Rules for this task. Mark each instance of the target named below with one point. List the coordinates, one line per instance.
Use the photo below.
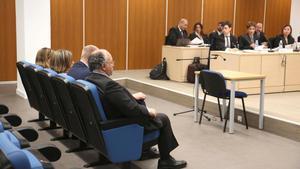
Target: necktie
(181, 33)
(227, 40)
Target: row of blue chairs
(75, 105)
(15, 150)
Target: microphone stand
(208, 67)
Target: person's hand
(252, 45)
(139, 96)
(152, 112)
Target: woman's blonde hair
(60, 60)
(42, 57)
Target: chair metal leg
(102, 160)
(51, 127)
(226, 117)
(65, 136)
(81, 147)
(220, 111)
(203, 104)
(40, 118)
(245, 116)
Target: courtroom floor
(284, 106)
(204, 146)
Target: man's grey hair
(87, 51)
(96, 61)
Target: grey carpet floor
(204, 146)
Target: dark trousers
(166, 140)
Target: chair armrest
(109, 124)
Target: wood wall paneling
(215, 11)
(67, 26)
(146, 33)
(277, 15)
(105, 27)
(191, 10)
(248, 11)
(8, 45)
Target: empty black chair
(213, 84)
(31, 94)
(44, 106)
(55, 106)
(61, 84)
(105, 135)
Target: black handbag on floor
(195, 66)
(159, 72)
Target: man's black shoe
(151, 153)
(171, 163)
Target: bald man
(119, 103)
(80, 69)
(178, 32)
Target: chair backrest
(55, 106)
(31, 71)
(32, 96)
(83, 98)
(61, 85)
(213, 83)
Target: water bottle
(256, 43)
(280, 44)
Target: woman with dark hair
(249, 40)
(285, 37)
(198, 33)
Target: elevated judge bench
(281, 68)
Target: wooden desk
(233, 77)
(177, 70)
(280, 68)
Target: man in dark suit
(262, 40)
(178, 32)
(298, 38)
(216, 33)
(250, 39)
(225, 40)
(80, 69)
(118, 102)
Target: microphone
(216, 57)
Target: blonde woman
(42, 57)
(60, 60)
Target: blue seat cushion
(238, 94)
(34, 162)
(11, 137)
(151, 136)
(18, 159)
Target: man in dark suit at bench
(118, 102)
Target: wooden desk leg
(261, 104)
(231, 112)
(224, 108)
(196, 96)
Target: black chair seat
(238, 94)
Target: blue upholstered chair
(213, 84)
(12, 156)
(105, 135)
